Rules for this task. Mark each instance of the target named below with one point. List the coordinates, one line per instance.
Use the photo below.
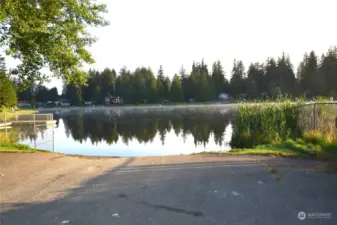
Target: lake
(134, 131)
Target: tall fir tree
(328, 71)
(176, 91)
(220, 83)
(237, 82)
(285, 76)
(161, 84)
(256, 82)
(271, 77)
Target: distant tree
(255, 82)
(185, 82)
(285, 76)
(25, 94)
(237, 82)
(271, 78)
(42, 94)
(33, 102)
(151, 85)
(161, 84)
(108, 82)
(73, 94)
(124, 85)
(328, 71)
(311, 81)
(167, 87)
(201, 83)
(96, 95)
(53, 94)
(176, 92)
(7, 92)
(218, 76)
(140, 85)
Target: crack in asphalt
(172, 209)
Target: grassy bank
(9, 139)
(8, 147)
(10, 115)
(283, 129)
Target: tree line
(314, 77)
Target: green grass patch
(267, 152)
(290, 148)
(7, 147)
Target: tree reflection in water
(98, 127)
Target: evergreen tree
(73, 94)
(311, 81)
(108, 82)
(42, 94)
(176, 92)
(167, 87)
(218, 76)
(237, 82)
(271, 79)
(255, 83)
(285, 76)
(185, 82)
(53, 94)
(161, 84)
(328, 71)
(151, 86)
(201, 82)
(124, 85)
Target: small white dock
(32, 122)
(30, 119)
(5, 125)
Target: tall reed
(264, 123)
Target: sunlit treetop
(49, 33)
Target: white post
(315, 116)
(34, 131)
(5, 126)
(53, 140)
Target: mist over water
(136, 131)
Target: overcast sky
(175, 32)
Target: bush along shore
(286, 129)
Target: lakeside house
(88, 103)
(223, 97)
(24, 104)
(113, 100)
(64, 102)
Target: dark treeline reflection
(144, 128)
(30, 132)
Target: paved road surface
(51, 189)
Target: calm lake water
(135, 131)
